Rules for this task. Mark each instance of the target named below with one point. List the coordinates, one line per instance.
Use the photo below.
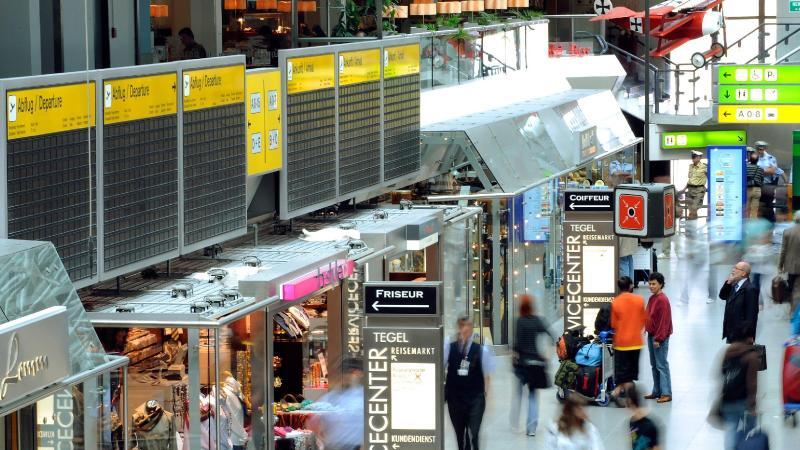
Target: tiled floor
(694, 360)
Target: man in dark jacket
(741, 305)
(739, 388)
(469, 367)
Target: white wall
(20, 53)
(123, 47)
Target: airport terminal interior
(399, 225)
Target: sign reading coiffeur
(34, 353)
(127, 99)
(209, 88)
(51, 109)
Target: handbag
(753, 438)
(761, 351)
(780, 289)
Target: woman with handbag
(530, 363)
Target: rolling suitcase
(791, 380)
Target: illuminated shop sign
(311, 282)
(353, 289)
(34, 353)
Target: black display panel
(401, 146)
(140, 190)
(359, 136)
(214, 171)
(51, 190)
(310, 148)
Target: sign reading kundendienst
(34, 353)
(403, 397)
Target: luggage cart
(606, 373)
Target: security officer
(696, 186)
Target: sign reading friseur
(33, 353)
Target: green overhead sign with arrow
(758, 94)
(758, 74)
(701, 139)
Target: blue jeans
(732, 414)
(533, 407)
(626, 266)
(662, 383)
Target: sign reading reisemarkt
(403, 395)
(591, 256)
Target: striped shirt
(755, 175)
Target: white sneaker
(710, 301)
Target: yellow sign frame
(138, 98)
(49, 109)
(212, 87)
(360, 66)
(401, 60)
(310, 73)
(264, 152)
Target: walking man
(789, 261)
(469, 366)
(755, 181)
(696, 186)
(741, 305)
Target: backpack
(569, 343)
(566, 374)
(603, 320)
(588, 381)
(734, 379)
(590, 355)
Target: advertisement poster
(536, 210)
(413, 396)
(726, 193)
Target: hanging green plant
(527, 14)
(486, 18)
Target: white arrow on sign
(395, 446)
(377, 306)
(573, 206)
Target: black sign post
(401, 298)
(403, 362)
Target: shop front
(59, 389)
(514, 167)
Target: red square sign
(669, 210)
(631, 211)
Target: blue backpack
(590, 355)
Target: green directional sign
(758, 94)
(701, 139)
(758, 74)
(794, 6)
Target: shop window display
(176, 398)
(408, 266)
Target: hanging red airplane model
(673, 23)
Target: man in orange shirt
(628, 317)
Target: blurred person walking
(643, 430)
(789, 260)
(572, 430)
(741, 304)
(755, 181)
(628, 319)
(343, 428)
(737, 402)
(530, 363)
(469, 368)
(659, 329)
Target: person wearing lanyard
(696, 185)
(469, 366)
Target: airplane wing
(665, 47)
(670, 26)
(620, 12)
